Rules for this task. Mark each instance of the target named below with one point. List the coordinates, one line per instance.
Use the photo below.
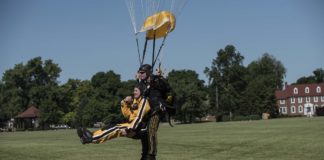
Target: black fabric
(149, 138)
(157, 91)
(153, 126)
(144, 141)
(145, 68)
(148, 157)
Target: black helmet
(146, 68)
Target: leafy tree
(190, 95)
(34, 83)
(69, 119)
(100, 100)
(126, 88)
(226, 74)
(80, 100)
(318, 77)
(265, 76)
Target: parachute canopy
(158, 25)
(153, 20)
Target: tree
(225, 76)
(126, 88)
(318, 77)
(265, 76)
(190, 95)
(69, 99)
(80, 100)
(34, 83)
(99, 99)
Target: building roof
(288, 91)
(31, 112)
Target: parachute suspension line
(144, 51)
(176, 8)
(153, 58)
(138, 50)
(143, 13)
(162, 44)
(172, 5)
(131, 9)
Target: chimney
(285, 86)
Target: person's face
(142, 75)
(137, 93)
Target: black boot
(85, 135)
(148, 157)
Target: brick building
(301, 99)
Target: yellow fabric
(160, 23)
(134, 116)
(116, 132)
(131, 113)
(125, 109)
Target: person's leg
(108, 133)
(144, 141)
(101, 135)
(152, 137)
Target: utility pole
(216, 98)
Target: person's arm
(125, 107)
(144, 108)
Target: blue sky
(85, 37)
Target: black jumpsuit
(156, 91)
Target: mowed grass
(277, 139)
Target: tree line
(233, 90)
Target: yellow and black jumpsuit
(134, 113)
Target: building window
(300, 109)
(307, 99)
(295, 91)
(292, 100)
(282, 101)
(318, 89)
(322, 98)
(293, 109)
(315, 99)
(283, 110)
(300, 99)
(307, 90)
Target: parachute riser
(153, 52)
(138, 51)
(144, 51)
(160, 49)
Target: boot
(85, 135)
(148, 157)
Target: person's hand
(137, 76)
(128, 99)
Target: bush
(289, 116)
(225, 118)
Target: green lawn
(280, 139)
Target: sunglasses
(141, 72)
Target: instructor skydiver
(159, 94)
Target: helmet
(146, 68)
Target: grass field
(277, 139)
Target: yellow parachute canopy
(160, 23)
